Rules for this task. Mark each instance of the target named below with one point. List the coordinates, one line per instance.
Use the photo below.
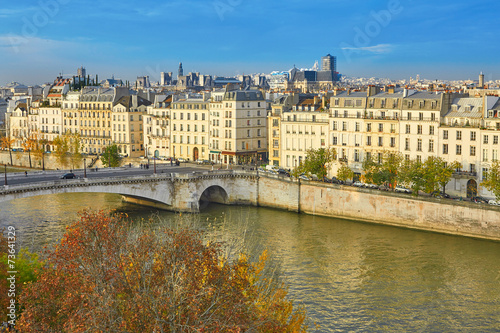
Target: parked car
(374, 186)
(438, 194)
(283, 172)
(494, 203)
(182, 160)
(383, 188)
(358, 184)
(402, 189)
(337, 181)
(68, 175)
(479, 200)
(260, 169)
(304, 177)
(203, 162)
(328, 180)
(272, 172)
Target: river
(350, 276)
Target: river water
(350, 276)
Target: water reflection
(350, 276)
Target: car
(69, 175)
(337, 181)
(261, 169)
(328, 180)
(401, 189)
(200, 162)
(383, 188)
(358, 184)
(438, 194)
(304, 177)
(272, 172)
(494, 203)
(479, 200)
(374, 186)
(182, 160)
(283, 172)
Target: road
(52, 175)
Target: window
(495, 139)
(334, 126)
(334, 141)
(408, 116)
(485, 155)
(369, 141)
(393, 142)
(356, 155)
(472, 136)
(445, 149)
(408, 129)
(344, 126)
(407, 144)
(485, 173)
(459, 135)
(380, 141)
(433, 116)
(357, 127)
(472, 151)
(431, 146)
(485, 139)
(459, 149)
(445, 134)
(419, 129)
(368, 127)
(419, 145)
(380, 127)
(431, 130)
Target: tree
(492, 180)
(7, 143)
(29, 144)
(110, 157)
(412, 174)
(438, 173)
(344, 172)
(62, 146)
(108, 275)
(75, 148)
(318, 162)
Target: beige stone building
(127, 125)
(157, 128)
(238, 127)
(189, 131)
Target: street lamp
(84, 168)
(5, 166)
(154, 162)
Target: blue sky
(393, 38)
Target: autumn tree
(317, 162)
(75, 149)
(412, 174)
(108, 276)
(344, 172)
(62, 148)
(7, 143)
(39, 150)
(492, 179)
(110, 157)
(30, 144)
(438, 173)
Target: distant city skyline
(395, 39)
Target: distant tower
(481, 80)
(82, 72)
(162, 79)
(328, 63)
(181, 71)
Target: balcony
(464, 174)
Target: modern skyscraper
(181, 71)
(328, 63)
(82, 72)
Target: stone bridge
(176, 191)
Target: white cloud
(377, 49)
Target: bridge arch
(213, 193)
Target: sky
(397, 39)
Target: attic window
(454, 107)
(467, 108)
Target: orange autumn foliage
(107, 276)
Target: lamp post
(154, 162)
(5, 168)
(84, 168)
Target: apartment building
(280, 105)
(238, 126)
(127, 125)
(157, 127)
(189, 131)
(304, 127)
